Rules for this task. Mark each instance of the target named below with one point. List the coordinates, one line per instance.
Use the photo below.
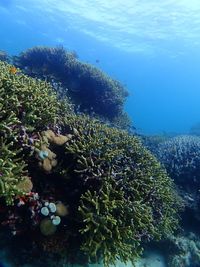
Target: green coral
(109, 225)
(128, 197)
(12, 171)
(24, 100)
(27, 104)
(117, 193)
(90, 89)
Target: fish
(13, 70)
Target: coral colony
(92, 91)
(72, 186)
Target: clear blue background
(152, 47)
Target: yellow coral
(61, 209)
(57, 139)
(25, 185)
(48, 161)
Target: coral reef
(152, 142)
(181, 157)
(184, 250)
(90, 89)
(25, 101)
(4, 56)
(26, 105)
(12, 172)
(76, 182)
(129, 197)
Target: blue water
(152, 47)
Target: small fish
(97, 60)
(13, 70)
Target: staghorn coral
(110, 223)
(181, 157)
(90, 89)
(32, 102)
(12, 172)
(152, 142)
(26, 106)
(113, 187)
(126, 196)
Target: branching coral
(110, 223)
(181, 157)
(152, 142)
(26, 106)
(90, 89)
(129, 197)
(32, 102)
(12, 172)
(114, 193)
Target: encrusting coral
(57, 139)
(93, 187)
(47, 158)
